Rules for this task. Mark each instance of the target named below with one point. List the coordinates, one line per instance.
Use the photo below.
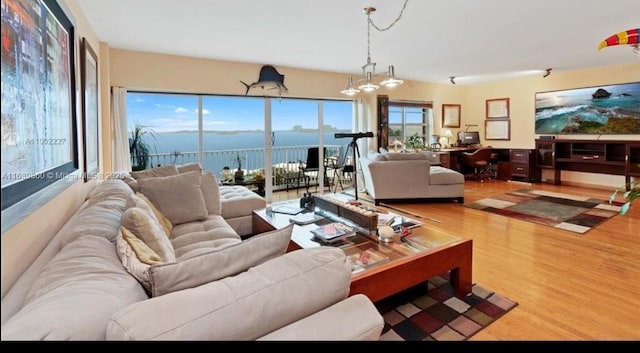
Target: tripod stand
(353, 147)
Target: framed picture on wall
(451, 115)
(89, 74)
(497, 129)
(498, 108)
(39, 144)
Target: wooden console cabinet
(592, 156)
(522, 162)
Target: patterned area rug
(569, 212)
(431, 312)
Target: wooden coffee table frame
(385, 280)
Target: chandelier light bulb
(391, 80)
(369, 86)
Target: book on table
(287, 209)
(333, 232)
(306, 218)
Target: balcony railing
(285, 160)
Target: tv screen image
(469, 138)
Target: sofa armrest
(247, 306)
(397, 179)
(359, 320)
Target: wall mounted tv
(613, 109)
(468, 138)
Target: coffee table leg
(460, 279)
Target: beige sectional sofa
(392, 177)
(101, 278)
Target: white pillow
(148, 229)
(179, 197)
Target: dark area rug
(577, 214)
(431, 312)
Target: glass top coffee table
(381, 269)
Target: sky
(179, 112)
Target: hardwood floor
(568, 286)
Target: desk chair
(479, 160)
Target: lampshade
(368, 86)
(391, 80)
(448, 133)
(350, 90)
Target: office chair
(479, 160)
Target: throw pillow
(166, 170)
(219, 263)
(211, 193)
(143, 202)
(189, 167)
(179, 197)
(149, 230)
(142, 251)
(130, 258)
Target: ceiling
(476, 41)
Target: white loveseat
(392, 177)
(84, 286)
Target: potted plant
(628, 196)
(239, 174)
(139, 148)
(415, 142)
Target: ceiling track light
(369, 68)
(547, 73)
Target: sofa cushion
(211, 193)
(238, 201)
(243, 307)
(212, 228)
(141, 201)
(405, 156)
(375, 156)
(444, 176)
(75, 295)
(147, 229)
(219, 263)
(189, 167)
(179, 197)
(163, 171)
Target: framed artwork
(39, 145)
(601, 110)
(498, 108)
(451, 115)
(498, 129)
(89, 74)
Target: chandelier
(369, 68)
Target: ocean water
(577, 111)
(182, 147)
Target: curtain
(362, 112)
(121, 158)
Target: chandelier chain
(392, 23)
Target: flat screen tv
(468, 138)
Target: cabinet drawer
(520, 156)
(519, 169)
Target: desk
(449, 156)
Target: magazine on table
(365, 259)
(333, 231)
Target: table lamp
(448, 134)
